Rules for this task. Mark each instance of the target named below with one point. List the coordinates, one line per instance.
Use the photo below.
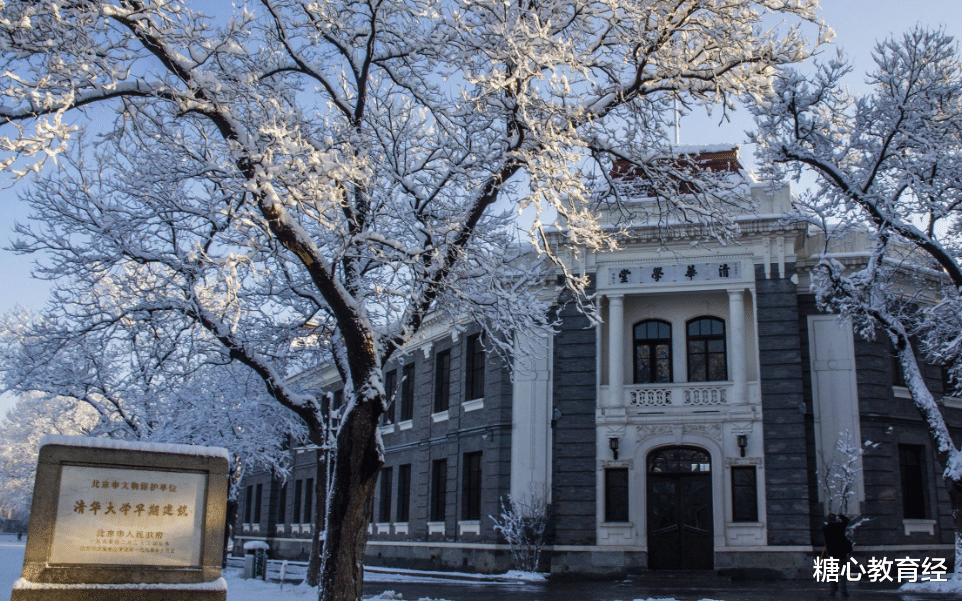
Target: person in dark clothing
(837, 546)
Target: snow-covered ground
(239, 589)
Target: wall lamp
(613, 444)
(742, 443)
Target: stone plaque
(129, 517)
(119, 521)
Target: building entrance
(680, 535)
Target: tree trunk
(318, 519)
(955, 499)
(232, 507)
(357, 461)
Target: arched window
(652, 352)
(679, 460)
(706, 350)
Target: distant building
(685, 432)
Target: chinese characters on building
(680, 273)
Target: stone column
(736, 351)
(616, 350)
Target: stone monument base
(204, 591)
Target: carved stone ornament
(645, 432)
(713, 431)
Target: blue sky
(858, 25)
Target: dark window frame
(282, 505)
(914, 482)
(439, 490)
(248, 501)
(258, 502)
(704, 342)
(617, 494)
(641, 338)
(471, 495)
(407, 391)
(404, 493)
(387, 484)
(744, 493)
(474, 368)
(309, 501)
(298, 496)
(442, 381)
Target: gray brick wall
(573, 470)
(786, 468)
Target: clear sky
(858, 24)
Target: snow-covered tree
(305, 182)
(889, 166)
(128, 382)
(32, 417)
(523, 523)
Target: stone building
(685, 432)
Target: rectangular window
(258, 497)
(403, 492)
(390, 385)
(471, 504)
(298, 495)
(439, 489)
(386, 485)
(474, 368)
(744, 494)
(442, 381)
(616, 494)
(407, 392)
(912, 474)
(898, 379)
(309, 501)
(282, 505)
(248, 500)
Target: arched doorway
(680, 534)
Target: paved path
(681, 586)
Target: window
(442, 381)
(386, 485)
(616, 494)
(298, 495)
(403, 492)
(390, 385)
(309, 501)
(912, 473)
(258, 497)
(407, 392)
(706, 350)
(898, 379)
(338, 400)
(248, 499)
(652, 352)
(471, 502)
(439, 489)
(474, 368)
(282, 505)
(744, 494)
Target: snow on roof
(150, 447)
(253, 545)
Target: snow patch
(253, 545)
(215, 585)
(150, 447)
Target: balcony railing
(682, 394)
